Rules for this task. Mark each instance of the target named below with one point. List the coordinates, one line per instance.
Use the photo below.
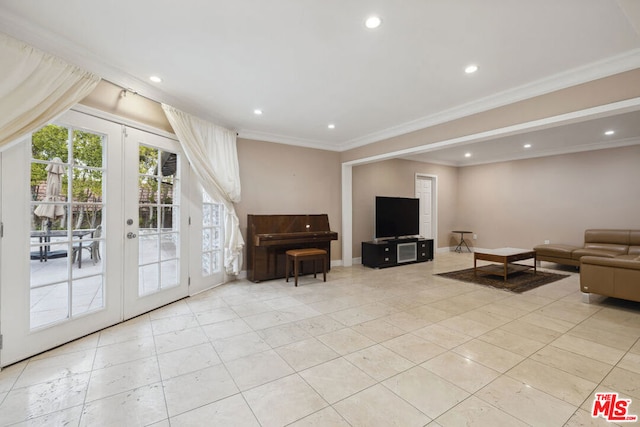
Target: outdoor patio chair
(93, 247)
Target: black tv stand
(397, 251)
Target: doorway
(426, 190)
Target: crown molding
(617, 64)
(288, 140)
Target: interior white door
(53, 290)
(206, 240)
(156, 222)
(424, 191)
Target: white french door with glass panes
(100, 242)
(156, 222)
(61, 250)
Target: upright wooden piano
(270, 236)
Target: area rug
(518, 281)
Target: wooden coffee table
(506, 257)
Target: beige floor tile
(583, 418)
(41, 399)
(65, 417)
(526, 403)
(630, 362)
(503, 308)
(575, 364)
(406, 321)
(187, 360)
(379, 362)
(299, 312)
(623, 382)
(558, 383)
(512, 342)
(589, 348)
(288, 333)
(226, 328)
(214, 315)
(345, 341)
(126, 331)
(258, 369)
(378, 330)
(180, 339)
(142, 406)
(461, 371)
(120, 378)
(165, 325)
(531, 331)
(126, 351)
(427, 391)
(572, 312)
(466, 326)
(549, 322)
(336, 379)
(58, 366)
(475, 412)
(283, 401)
(443, 336)
(324, 417)
(238, 346)
(266, 320)
(305, 354)
(319, 325)
(414, 348)
(197, 389)
(9, 375)
(377, 406)
(610, 337)
(489, 355)
(232, 411)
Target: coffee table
(506, 257)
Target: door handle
(131, 235)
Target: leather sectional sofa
(609, 262)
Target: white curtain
(213, 155)
(35, 88)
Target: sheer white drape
(213, 155)
(35, 88)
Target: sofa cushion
(634, 250)
(615, 237)
(555, 250)
(620, 262)
(598, 251)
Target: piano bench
(297, 256)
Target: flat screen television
(396, 217)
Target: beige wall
(397, 178)
(522, 203)
(113, 99)
(283, 179)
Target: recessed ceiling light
(155, 79)
(257, 112)
(527, 145)
(467, 154)
(372, 22)
(610, 132)
(331, 126)
(471, 69)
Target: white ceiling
(309, 63)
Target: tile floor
(392, 347)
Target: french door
(156, 222)
(101, 241)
